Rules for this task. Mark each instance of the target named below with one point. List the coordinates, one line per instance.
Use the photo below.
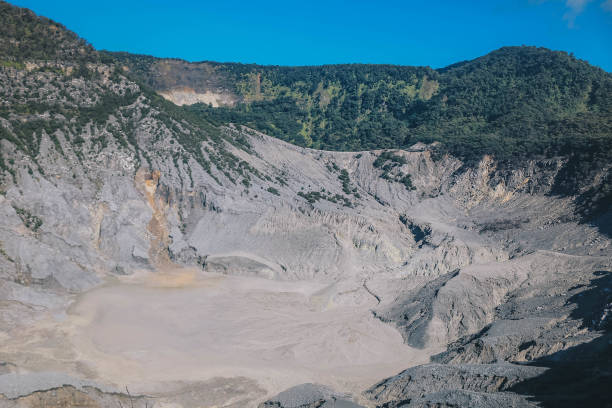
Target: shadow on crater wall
(580, 376)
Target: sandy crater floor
(152, 330)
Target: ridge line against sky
(319, 32)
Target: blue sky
(434, 33)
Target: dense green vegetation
(514, 103)
(340, 107)
(26, 36)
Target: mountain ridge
(257, 103)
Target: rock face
(181, 82)
(309, 396)
(484, 267)
(417, 385)
(188, 96)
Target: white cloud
(575, 7)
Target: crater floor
(155, 331)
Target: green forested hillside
(515, 102)
(518, 102)
(339, 107)
(26, 36)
